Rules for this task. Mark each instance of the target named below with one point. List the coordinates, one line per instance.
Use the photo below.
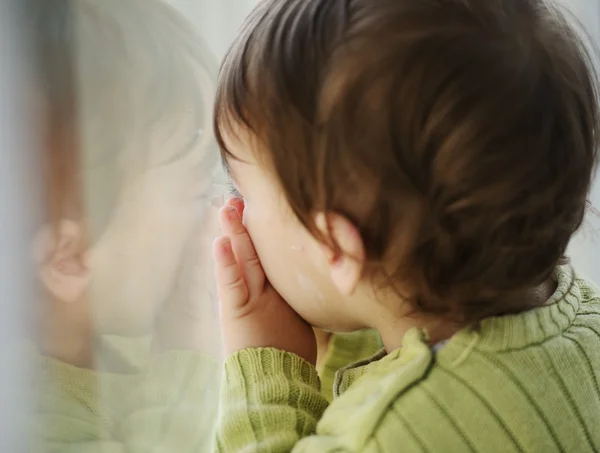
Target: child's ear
(61, 260)
(346, 267)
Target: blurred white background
(585, 248)
(216, 20)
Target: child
(416, 167)
(123, 91)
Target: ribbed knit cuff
(269, 377)
(249, 366)
(270, 398)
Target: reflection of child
(416, 167)
(124, 92)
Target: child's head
(442, 149)
(124, 92)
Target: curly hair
(459, 136)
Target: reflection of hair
(127, 85)
(458, 135)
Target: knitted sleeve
(271, 399)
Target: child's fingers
(231, 286)
(238, 204)
(244, 251)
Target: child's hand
(253, 314)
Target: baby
(418, 168)
(123, 92)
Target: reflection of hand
(189, 320)
(253, 314)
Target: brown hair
(459, 136)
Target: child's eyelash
(233, 191)
(219, 190)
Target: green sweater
(521, 383)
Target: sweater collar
(494, 334)
(414, 347)
(512, 332)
